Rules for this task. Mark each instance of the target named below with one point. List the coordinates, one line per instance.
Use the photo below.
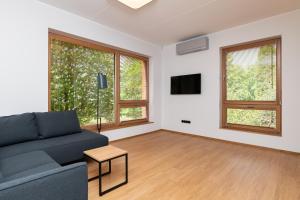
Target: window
(73, 67)
(251, 86)
(133, 87)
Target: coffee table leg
(100, 178)
(109, 167)
(101, 193)
(126, 166)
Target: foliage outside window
(73, 69)
(251, 86)
(73, 82)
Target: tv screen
(186, 84)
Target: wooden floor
(169, 166)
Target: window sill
(260, 132)
(115, 127)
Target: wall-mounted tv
(186, 84)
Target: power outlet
(185, 121)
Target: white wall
(24, 57)
(203, 110)
(24, 69)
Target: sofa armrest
(69, 182)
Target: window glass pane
(73, 84)
(262, 118)
(133, 79)
(251, 74)
(127, 114)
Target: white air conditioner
(200, 43)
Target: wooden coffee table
(107, 154)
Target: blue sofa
(35, 152)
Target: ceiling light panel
(135, 4)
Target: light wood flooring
(169, 166)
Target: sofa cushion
(53, 124)
(63, 149)
(26, 164)
(18, 128)
(63, 183)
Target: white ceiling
(168, 21)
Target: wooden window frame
(66, 37)
(252, 105)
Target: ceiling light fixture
(135, 4)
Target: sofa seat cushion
(26, 164)
(63, 149)
(54, 124)
(18, 128)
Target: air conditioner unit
(196, 44)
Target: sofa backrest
(18, 128)
(54, 124)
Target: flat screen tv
(186, 84)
